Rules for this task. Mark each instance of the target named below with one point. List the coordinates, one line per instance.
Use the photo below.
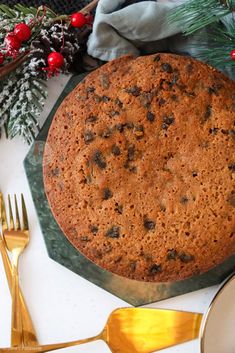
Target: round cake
(139, 167)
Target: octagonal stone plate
(60, 249)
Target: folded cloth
(140, 28)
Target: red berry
(55, 60)
(12, 42)
(22, 31)
(78, 20)
(232, 54)
(2, 58)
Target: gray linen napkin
(140, 28)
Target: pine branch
(221, 41)
(21, 102)
(7, 11)
(196, 14)
(22, 92)
(20, 10)
(26, 10)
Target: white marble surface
(63, 305)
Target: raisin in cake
(139, 167)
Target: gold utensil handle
(29, 335)
(16, 319)
(49, 347)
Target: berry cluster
(13, 40)
(22, 33)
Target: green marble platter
(60, 249)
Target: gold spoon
(136, 330)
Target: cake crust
(139, 167)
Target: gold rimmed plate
(217, 334)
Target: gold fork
(29, 335)
(16, 239)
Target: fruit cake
(139, 167)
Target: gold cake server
(136, 330)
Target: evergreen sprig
(21, 101)
(221, 40)
(22, 94)
(22, 90)
(21, 10)
(196, 14)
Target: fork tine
(17, 224)
(24, 213)
(10, 214)
(3, 214)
